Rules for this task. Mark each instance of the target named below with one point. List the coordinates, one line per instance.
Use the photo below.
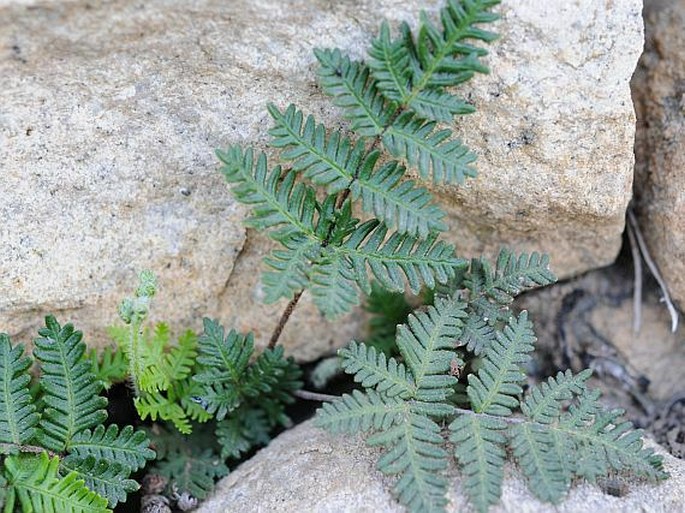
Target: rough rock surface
(308, 469)
(659, 93)
(110, 112)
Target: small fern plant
(57, 454)
(396, 102)
(413, 404)
(213, 379)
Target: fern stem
(285, 316)
(315, 396)
(8, 448)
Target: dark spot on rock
(185, 191)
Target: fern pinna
(409, 402)
(58, 456)
(393, 102)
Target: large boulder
(659, 93)
(308, 469)
(111, 111)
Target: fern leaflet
(107, 479)
(18, 417)
(276, 200)
(70, 391)
(36, 485)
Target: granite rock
(308, 469)
(659, 94)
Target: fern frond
(276, 199)
(447, 58)
(477, 334)
(374, 370)
(427, 344)
(332, 284)
(18, 417)
(432, 152)
(125, 445)
(543, 403)
(421, 262)
(290, 267)
(351, 87)
(35, 482)
(192, 470)
(440, 106)
(390, 63)
(167, 368)
(239, 433)
(361, 412)
(512, 275)
(70, 389)
(415, 453)
(607, 441)
(331, 161)
(107, 479)
(337, 163)
(480, 453)
(397, 203)
(272, 375)
(109, 365)
(155, 405)
(224, 357)
(534, 449)
(494, 389)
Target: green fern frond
(18, 417)
(543, 403)
(374, 370)
(512, 275)
(361, 412)
(396, 202)
(37, 487)
(224, 357)
(534, 449)
(494, 389)
(155, 405)
(336, 163)
(276, 199)
(332, 284)
(352, 88)
(192, 470)
(71, 392)
(433, 152)
(107, 479)
(332, 161)
(440, 106)
(480, 453)
(390, 63)
(427, 344)
(272, 375)
(421, 262)
(415, 453)
(125, 445)
(477, 334)
(290, 267)
(175, 365)
(109, 365)
(610, 441)
(447, 58)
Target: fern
(560, 433)
(62, 457)
(18, 417)
(36, 485)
